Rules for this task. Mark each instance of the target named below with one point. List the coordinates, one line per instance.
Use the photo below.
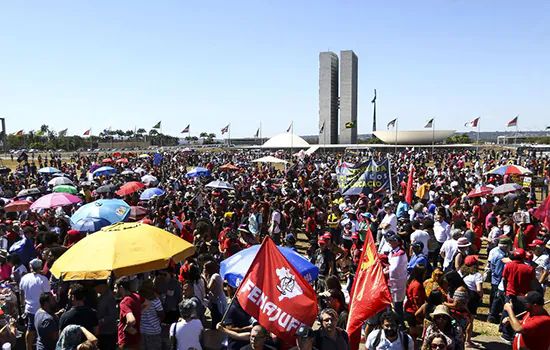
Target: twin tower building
(338, 98)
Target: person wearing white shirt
(420, 236)
(442, 230)
(389, 223)
(541, 261)
(450, 248)
(188, 333)
(389, 337)
(32, 286)
(397, 273)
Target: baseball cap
(290, 237)
(355, 235)
(304, 332)
(532, 297)
(321, 241)
(519, 253)
(418, 245)
(471, 260)
(326, 236)
(392, 236)
(536, 242)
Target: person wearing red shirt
(518, 279)
(532, 331)
(416, 297)
(525, 235)
(130, 315)
(311, 224)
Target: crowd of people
(436, 251)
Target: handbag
(174, 342)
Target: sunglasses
(438, 346)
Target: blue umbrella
(150, 192)
(235, 267)
(49, 170)
(112, 210)
(89, 225)
(196, 172)
(104, 170)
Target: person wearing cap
(442, 324)
(397, 273)
(531, 332)
(290, 241)
(496, 267)
(518, 279)
(418, 258)
(541, 262)
(324, 259)
(473, 279)
(32, 285)
(304, 338)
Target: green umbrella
(65, 189)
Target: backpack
(402, 336)
(283, 224)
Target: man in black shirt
(238, 321)
(324, 260)
(79, 314)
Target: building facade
(328, 98)
(348, 97)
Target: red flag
(87, 132)
(543, 213)
(409, 194)
(275, 294)
(186, 129)
(370, 293)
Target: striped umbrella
(510, 169)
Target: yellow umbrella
(122, 248)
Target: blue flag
(157, 159)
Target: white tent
(286, 140)
(270, 159)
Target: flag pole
(433, 136)
(229, 134)
(396, 127)
(291, 139)
(477, 138)
(517, 130)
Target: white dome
(413, 137)
(286, 140)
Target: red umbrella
(229, 167)
(136, 212)
(480, 191)
(20, 205)
(122, 160)
(130, 187)
(117, 154)
(107, 160)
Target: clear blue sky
(81, 64)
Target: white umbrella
(56, 181)
(150, 179)
(507, 188)
(221, 185)
(140, 171)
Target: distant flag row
(471, 124)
